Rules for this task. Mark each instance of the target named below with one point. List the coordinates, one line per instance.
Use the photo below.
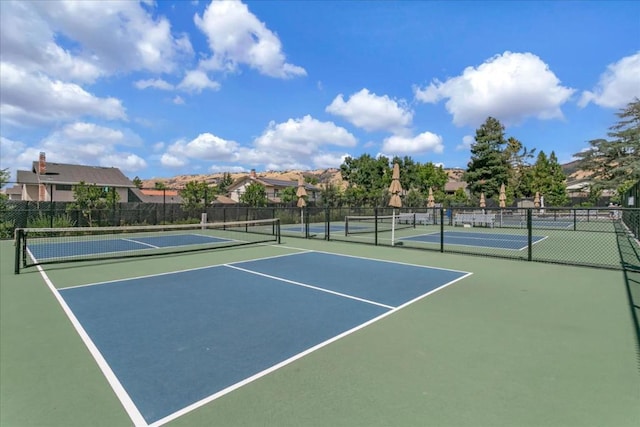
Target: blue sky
(169, 88)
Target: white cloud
(178, 100)
(467, 140)
(153, 83)
(78, 143)
(126, 162)
(204, 147)
(401, 145)
(618, 85)
(196, 81)
(510, 87)
(30, 98)
(172, 161)
(13, 156)
(303, 136)
(295, 144)
(372, 112)
(328, 160)
(236, 36)
(136, 40)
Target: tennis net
(354, 224)
(36, 246)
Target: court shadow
(630, 261)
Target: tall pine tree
(488, 168)
(615, 161)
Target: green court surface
(515, 344)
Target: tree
(612, 162)
(193, 196)
(488, 168)
(137, 182)
(371, 176)
(89, 198)
(557, 192)
(159, 185)
(289, 195)
(331, 196)
(254, 195)
(4, 178)
(549, 180)
(224, 183)
(518, 156)
(415, 198)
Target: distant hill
(324, 176)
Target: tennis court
(311, 333)
(194, 333)
(516, 242)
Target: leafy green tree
(288, 195)
(4, 178)
(254, 195)
(224, 183)
(371, 176)
(194, 196)
(311, 179)
(488, 168)
(611, 162)
(89, 198)
(159, 185)
(459, 198)
(415, 198)
(137, 182)
(331, 196)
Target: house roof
(16, 189)
(61, 173)
(452, 186)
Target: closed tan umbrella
(483, 203)
(431, 202)
(301, 193)
(395, 202)
(536, 200)
(503, 197)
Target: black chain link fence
(581, 236)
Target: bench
(475, 219)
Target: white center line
(311, 287)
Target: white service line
(311, 287)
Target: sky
(166, 88)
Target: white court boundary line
(118, 389)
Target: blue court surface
(468, 238)
(179, 340)
(50, 249)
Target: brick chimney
(253, 174)
(42, 164)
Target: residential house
(452, 186)
(273, 187)
(53, 182)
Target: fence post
(442, 229)
(327, 223)
(18, 243)
(375, 226)
(529, 234)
